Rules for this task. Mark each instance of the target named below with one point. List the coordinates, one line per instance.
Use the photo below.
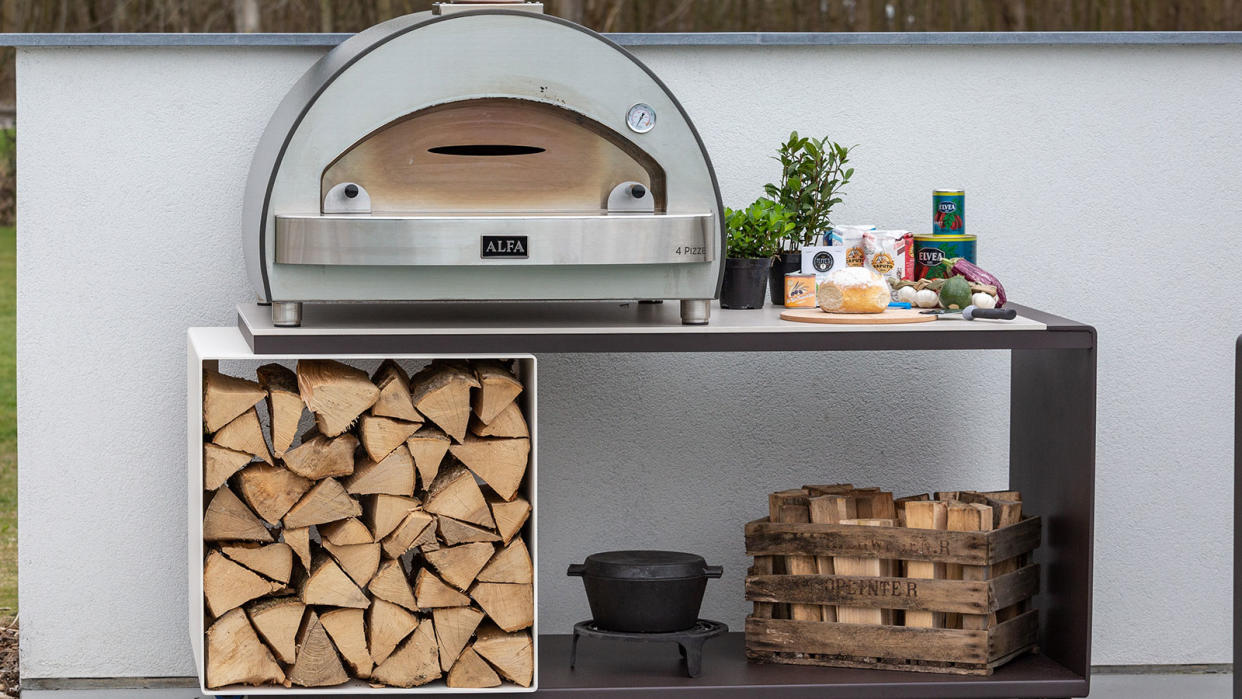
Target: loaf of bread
(853, 290)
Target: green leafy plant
(757, 230)
(813, 173)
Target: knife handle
(973, 313)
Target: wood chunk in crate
(416, 662)
(1004, 511)
(359, 561)
(798, 512)
(458, 565)
(336, 393)
(226, 397)
(875, 505)
(277, 620)
(511, 607)
(384, 513)
(228, 519)
(848, 565)
(925, 515)
(511, 564)
(235, 655)
(454, 493)
(271, 490)
(387, 625)
(827, 509)
(428, 446)
(328, 585)
(284, 405)
(509, 516)
(501, 463)
(391, 584)
(347, 630)
(346, 532)
(509, 423)
(470, 671)
(454, 627)
(394, 398)
(381, 435)
(326, 502)
(244, 434)
(416, 529)
(498, 388)
(394, 475)
(441, 393)
(323, 457)
(833, 489)
(274, 561)
(512, 654)
(432, 592)
(967, 517)
(317, 664)
(228, 585)
(298, 539)
(454, 532)
(220, 463)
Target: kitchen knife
(974, 313)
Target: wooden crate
(957, 651)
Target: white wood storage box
(225, 350)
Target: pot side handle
(714, 571)
(576, 569)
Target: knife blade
(973, 313)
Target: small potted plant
(813, 172)
(754, 237)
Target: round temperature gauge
(641, 118)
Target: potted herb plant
(813, 172)
(754, 237)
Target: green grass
(8, 421)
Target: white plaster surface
(1101, 180)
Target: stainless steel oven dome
(485, 154)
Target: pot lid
(645, 565)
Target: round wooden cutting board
(892, 315)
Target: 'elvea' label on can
(505, 246)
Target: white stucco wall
(1101, 180)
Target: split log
(848, 565)
(900, 505)
(244, 434)
(415, 662)
(827, 509)
(391, 584)
(384, 513)
(432, 592)
(380, 435)
(834, 489)
(394, 398)
(458, 565)
(875, 505)
(228, 519)
(284, 405)
(428, 447)
(497, 389)
(329, 585)
(511, 607)
(271, 490)
(273, 561)
(220, 463)
(359, 561)
(235, 655)
(512, 654)
(800, 565)
(470, 671)
(925, 515)
(317, 665)
(966, 517)
(335, 392)
(298, 539)
(509, 516)
(454, 532)
(346, 629)
(394, 475)
(387, 625)
(441, 392)
(454, 627)
(454, 493)
(511, 565)
(1004, 511)
(227, 585)
(326, 502)
(321, 457)
(277, 621)
(415, 530)
(346, 532)
(226, 397)
(501, 463)
(509, 423)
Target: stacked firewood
(384, 544)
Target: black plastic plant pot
(785, 263)
(645, 591)
(744, 282)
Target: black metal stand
(689, 642)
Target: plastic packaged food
(853, 290)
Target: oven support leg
(287, 314)
(696, 311)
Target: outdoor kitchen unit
(481, 152)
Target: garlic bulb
(982, 300)
(927, 298)
(906, 294)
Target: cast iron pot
(744, 279)
(645, 591)
(785, 263)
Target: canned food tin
(949, 212)
(931, 250)
(799, 290)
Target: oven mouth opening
(486, 150)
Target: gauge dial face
(641, 118)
